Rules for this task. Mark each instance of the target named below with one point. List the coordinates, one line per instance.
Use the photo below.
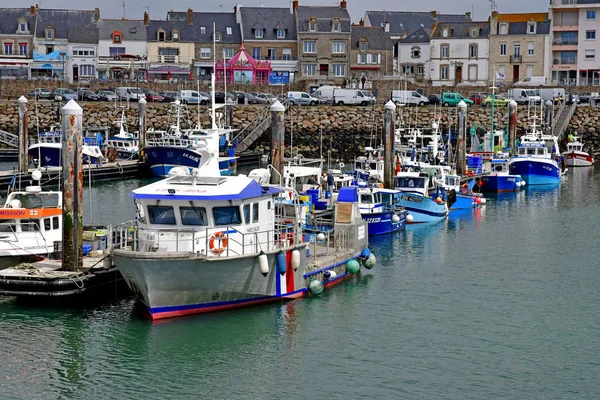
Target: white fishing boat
(126, 144)
(575, 156)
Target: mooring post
(72, 172)
(23, 136)
(512, 126)
(142, 123)
(228, 112)
(548, 115)
(389, 134)
(277, 141)
(461, 150)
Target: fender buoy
(217, 236)
(464, 189)
(142, 154)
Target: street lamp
(63, 55)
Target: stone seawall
(345, 130)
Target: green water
(496, 303)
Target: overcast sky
(134, 9)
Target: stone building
(269, 34)
(459, 53)
(16, 35)
(519, 46)
(371, 55)
(323, 43)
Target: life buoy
(464, 189)
(220, 236)
(342, 165)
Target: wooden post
(23, 136)
(72, 172)
(389, 134)
(512, 126)
(277, 141)
(461, 145)
(548, 116)
(142, 123)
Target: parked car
(220, 97)
(302, 98)
(452, 99)
(270, 98)
(478, 98)
(153, 96)
(170, 96)
(130, 93)
(40, 93)
(107, 95)
(435, 99)
(584, 97)
(85, 94)
(525, 96)
(207, 95)
(532, 81)
(501, 100)
(325, 93)
(260, 99)
(65, 94)
(408, 97)
(193, 97)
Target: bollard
(388, 144)
(277, 141)
(23, 136)
(548, 114)
(142, 123)
(72, 184)
(512, 126)
(461, 162)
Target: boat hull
(423, 209)
(161, 159)
(381, 223)
(463, 202)
(536, 171)
(500, 183)
(50, 156)
(578, 159)
(177, 284)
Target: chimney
(343, 4)
(433, 14)
(494, 14)
(295, 4)
(190, 16)
(235, 9)
(362, 22)
(494, 23)
(386, 26)
(96, 14)
(468, 15)
(146, 19)
(32, 11)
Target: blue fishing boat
(460, 196)
(379, 208)
(47, 151)
(500, 179)
(424, 203)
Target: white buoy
(409, 218)
(395, 219)
(295, 259)
(330, 275)
(263, 263)
(36, 175)
(483, 200)
(320, 237)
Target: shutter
(378, 58)
(358, 59)
(369, 58)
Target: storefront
(244, 69)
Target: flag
(499, 75)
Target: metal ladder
(9, 139)
(254, 131)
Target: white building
(412, 55)
(122, 49)
(459, 53)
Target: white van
(302, 98)
(524, 96)
(552, 94)
(192, 97)
(351, 97)
(130, 93)
(325, 93)
(532, 81)
(408, 97)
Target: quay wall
(344, 130)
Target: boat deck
(50, 269)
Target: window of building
(416, 52)
(256, 53)
(590, 55)
(336, 26)
(133, 30)
(309, 69)
(203, 30)
(445, 32)
(23, 49)
(530, 48)
(529, 71)
(444, 75)
(420, 69)
(312, 25)
(87, 70)
(271, 54)
(161, 215)
(8, 48)
(474, 32)
(503, 28)
(175, 36)
(338, 47)
(22, 27)
(310, 46)
(338, 69)
(400, 24)
(445, 51)
(193, 216)
(280, 33)
(115, 51)
(227, 215)
(259, 33)
(49, 33)
(363, 46)
(161, 36)
(205, 52)
(229, 31)
(502, 49)
(228, 52)
(472, 72)
(590, 14)
(218, 36)
(472, 51)
(287, 54)
(517, 50)
(49, 49)
(590, 35)
(362, 59)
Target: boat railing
(9, 231)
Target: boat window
(47, 224)
(386, 198)
(162, 215)
(55, 223)
(29, 226)
(247, 213)
(193, 216)
(531, 151)
(365, 198)
(7, 226)
(269, 205)
(255, 212)
(227, 215)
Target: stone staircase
(254, 131)
(9, 139)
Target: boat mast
(212, 80)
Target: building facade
(17, 26)
(371, 55)
(82, 45)
(575, 47)
(122, 49)
(459, 53)
(519, 46)
(324, 35)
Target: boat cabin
(575, 146)
(532, 150)
(412, 182)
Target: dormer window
(400, 24)
(503, 28)
(23, 26)
(280, 33)
(445, 32)
(362, 45)
(203, 30)
(259, 33)
(531, 27)
(474, 32)
(312, 25)
(49, 33)
(218, 36)
(160, 35)
(175, 35)
(335, 25)
(229, 30)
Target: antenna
(123, 5)
(493, 5)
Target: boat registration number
(411, 198)
(373, 220)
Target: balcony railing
(565, 41)
(169, 59)
(558, 3)
(516, 58)
(567, 60)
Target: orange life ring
(464, 189)
(220, 236)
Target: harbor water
(499, 302)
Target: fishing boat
(369, 168)
(30, 224)
(48, 149)
(575, 156)
(126, 144)
(460, 196)
(420, 197)
(379, 208)
(499, 178)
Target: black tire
(363, 103)
(313, 103)
(340, 103)
(293, 103)
(446, 104)
(203, 102)
(421, 103)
